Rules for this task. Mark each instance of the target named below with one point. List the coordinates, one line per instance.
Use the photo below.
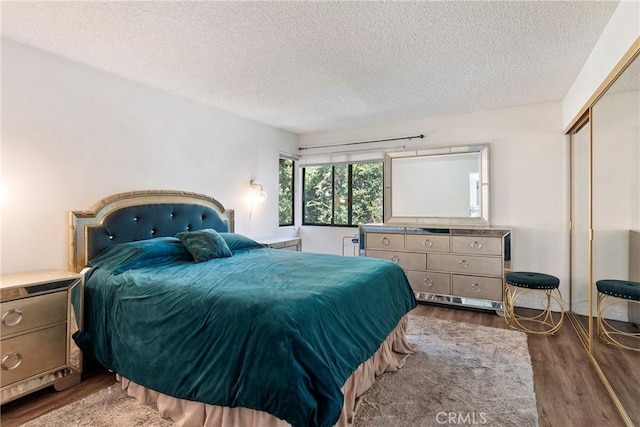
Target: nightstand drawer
(408, 260)
(427, 243)
(477, 245)
(385, 241)
(28, 313)
(477, 287)
(429, 281)
(33, 353)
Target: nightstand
(287, 243)
(40, 311)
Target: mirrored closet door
(580, 150)
(616, 216)
(605, 232)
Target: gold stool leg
(607, 332)
(518, 322)
(507, 304)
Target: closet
(604, 147)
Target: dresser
(40, 311)
(286, 243)
(458, 266)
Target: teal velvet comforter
(270, 330)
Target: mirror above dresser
(448, 185)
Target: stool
(519, 283)
(611, 292)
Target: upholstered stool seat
(519, 283)
(612, 292)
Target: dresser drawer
(477, 245)
(427, 243)
(385, 241)
(465, 264)
(28, 313)
(430, 281)
(406, 260)
(33, 353)
(477, 287)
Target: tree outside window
(343, 195)
(285, 192)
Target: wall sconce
(257, 192)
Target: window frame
(333, 193)
(293, 191)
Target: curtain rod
(362, 142)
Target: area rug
(462, 374)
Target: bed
(246, 336)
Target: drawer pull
(12, 317)
(475, 245)
(14, 360)
(428, 282)
(427, 243)
(385, 241)
(463, 263)
(476, 287)
(395, 259)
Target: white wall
(527, 176)
(72, 135)
(620, 33)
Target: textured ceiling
(316, 66)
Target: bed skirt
(391, 356)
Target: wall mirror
(437, 186)
(605, 231)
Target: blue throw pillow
(121, 257)
(204, 244)
(238, 242)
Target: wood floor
(568, 392)
(625, 382)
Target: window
(285, 192)
(342, 195)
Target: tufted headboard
(141, 215)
